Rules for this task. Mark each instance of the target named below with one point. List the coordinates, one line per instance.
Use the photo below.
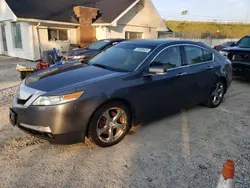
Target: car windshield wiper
(109, 68)
(103, 66)
(85, 61)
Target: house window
(133, 35)
(58, 34)
(17, 35)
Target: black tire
(94, 123)
(210, 101)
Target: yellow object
(72, 95)
(25, 69)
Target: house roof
(62, 10)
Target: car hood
(85, 52)
(67, 76)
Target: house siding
(6, 18)
(27, 50)
(49, 45)
(5, 12)
(101, 33)
(141, 18)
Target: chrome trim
(183, 66)
(172, 46)
(24, 93)
(203, 49)
(162, 51)
(36, 128)
(148, 56)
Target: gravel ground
(9, 76)
(182, 150)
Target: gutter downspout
(38, 40)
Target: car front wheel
(110, 124)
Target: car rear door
(201, 64)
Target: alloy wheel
(218, 93)
(111, 125)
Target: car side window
(208, 56)
(169, 58)
(194, 55)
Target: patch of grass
(217, 30)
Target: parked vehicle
(122, 86)
(239, 55)
(91, 50)
(225, 45)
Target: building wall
(6, 18)
(27, 51)
(30, 48)
(141, 18)
(101, 33)
(5, 12)
(49, 45)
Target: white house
(29, 27)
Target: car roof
(158, 42)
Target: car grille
(22, 102)
(239, 56)
(44, 135)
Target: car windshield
(98, 45)
(244, 43)
(122, 57)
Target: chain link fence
(210, 39)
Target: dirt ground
(182, 150)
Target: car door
(201, 71)
(167, 92)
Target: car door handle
(209, 67)
(182, 74)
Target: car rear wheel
(216, 95)
(110, 124)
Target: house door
(5, 48)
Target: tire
(104, 124)
(218, 91)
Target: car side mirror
(156, 71)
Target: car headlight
(53, 100)
(224, 53)
(78, 57)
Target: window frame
(202, 48)
(58, 34)
(164, 49)
(183, 55)
(129, 32)
(13, 27)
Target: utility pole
(248, 7)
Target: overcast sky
(203, 10)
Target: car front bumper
(241, 72)
(62, 124)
